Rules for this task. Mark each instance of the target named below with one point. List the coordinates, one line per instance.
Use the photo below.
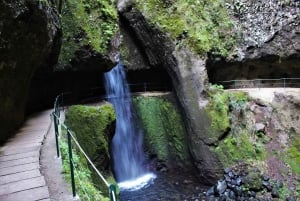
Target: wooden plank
(17, 162)
(28, 137)
(19, 168)
(19, 146)
(27, 195)
(17, 150)
(19, 176)
(18, 156)
(37, 131)
(22, 185)
(24, 143)
(33, 129)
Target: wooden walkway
(20, 176)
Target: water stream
(127, 145)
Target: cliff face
(189, 78)
(89, 30)
(29, 32)
(268, 42)
(88, 27)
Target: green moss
(87, 22)
(165, 132)
(91, 126)
(238, 145)
(218, 111)
(202, 25)
(293, 153)
(239, 148)
(253, 180)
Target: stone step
(34, 194)
(22, 185)
(19, 176)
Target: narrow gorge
(194, 121)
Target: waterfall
(127, 143)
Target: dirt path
(268, 94)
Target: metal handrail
(261, 83)
(56, 116)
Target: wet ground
(169, 186)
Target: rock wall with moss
(165, 134)
(204, 26)
(262, 135)
(88, 29)
(29, 33)
(94, 127)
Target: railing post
(71, 163)
(112, 192)
(55, 120)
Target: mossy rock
(253, 180)
(218, 112)
(88, 26)
(165, 134)
(94, 129)
(232, 139)
(204, 26)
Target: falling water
(127, 150)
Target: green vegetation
(239, 148)
(165, 132)
(87, 23)
(293, 153)
(218, 111)
(253, 180)
(93, 128)
(239, 144)
(202, 25)
(83, 176)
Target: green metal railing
(70, 137)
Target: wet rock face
(29, 35)
(189, 79)
(268, 42)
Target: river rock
(221, 186)
(260, 127)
